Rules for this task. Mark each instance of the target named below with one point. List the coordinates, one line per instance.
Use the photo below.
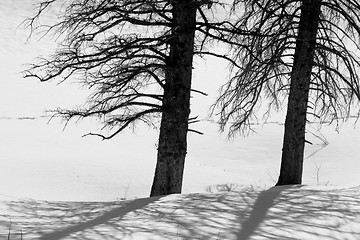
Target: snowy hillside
(39, 160)
(289, 212)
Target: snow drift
(288, 212)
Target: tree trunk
(176, 102)
(294, 136)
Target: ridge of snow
(285, 212)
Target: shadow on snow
(289, 212)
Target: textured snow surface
(39, 160)
(288, 212)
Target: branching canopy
(120, 50)
(265, 60)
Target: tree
(137, 55)
(176, 102)
(294, 136)
(303, 49)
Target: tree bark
(294, 135)
(172, 146)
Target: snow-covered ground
(297, 212)
(42, 166)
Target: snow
(57, 185)
(287, 212)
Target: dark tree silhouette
(137, 56)
(294, 136)
(305, 50)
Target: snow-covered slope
(288, 212)
(40, 161)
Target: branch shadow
(289, 212)
(300, 212)
(67, 220)
(116, 213)
(265, 200)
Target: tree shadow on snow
(288, 212)
(264, 201)
(300, 212)
(68, 220)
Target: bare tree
(137, 56)
(304, 51)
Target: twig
(195, 131)
(9, 229)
